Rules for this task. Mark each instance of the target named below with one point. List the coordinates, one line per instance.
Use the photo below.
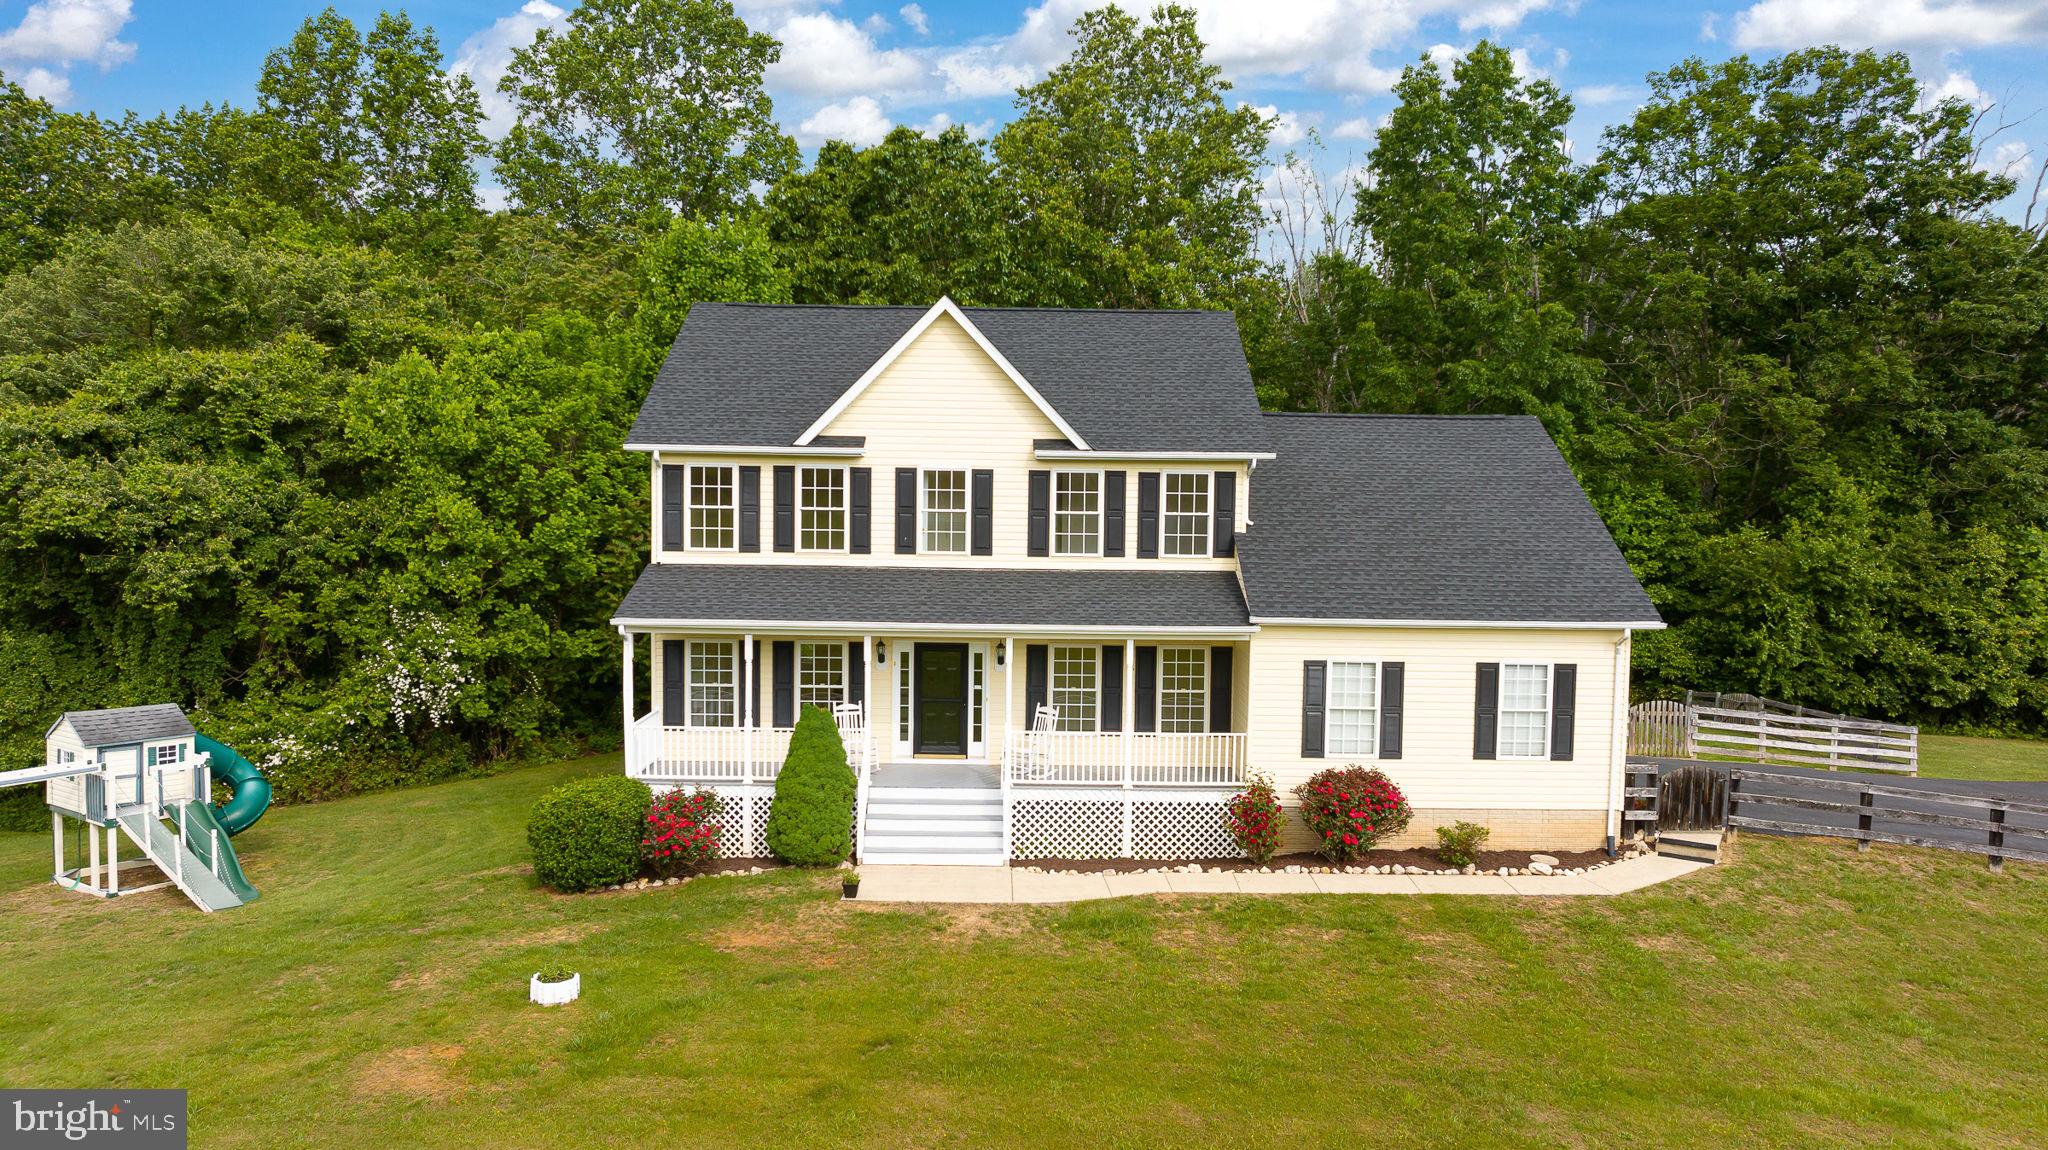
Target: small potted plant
(849, 884)
(554, 984)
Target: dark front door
(941, 673)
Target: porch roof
(1038, 599)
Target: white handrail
(1156, 759)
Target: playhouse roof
(118, 725)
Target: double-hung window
(1184, 513)
(1074, 687)
(821, 508)
(1183, 690)
(1524, 711)
(820, 674)
(1077, 513)
(1351, 714)
(711, 678)
(714, 507)
(945, 512)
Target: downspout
(1618, 740)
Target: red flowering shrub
(683, 830)
(1350, 809)
(1255, 819)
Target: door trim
(917, 700)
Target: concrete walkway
(989, 884)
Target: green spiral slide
(251, 790)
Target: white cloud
(1287, 127)
(940, 121)
(1924, 24)
(485, 56)
(1592, 95)
(46, 85)
(1954, 86)
(824, 55)
(858, 121)
(982, 70)
(913, 16)
(1360, 128)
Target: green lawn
(1966, 757)
(1802, 996)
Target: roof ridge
(1395, 415)
(921, 308)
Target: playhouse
(144, 774)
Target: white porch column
(747, 706)
(113, 860)
(92, 852)
(626, 703)
(1009, 699)
(867, 703)
(1130, 721)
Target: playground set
(128, 772)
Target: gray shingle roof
(757, 374)
(934, 596)
(1429, 518)
(129, 724)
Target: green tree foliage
(731, 261)
(642, 108)
(1128, 179)
(811, 820)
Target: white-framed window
(1351, 709)
(944, 516)
(711, 683)
(1184, 513)
(1077, 513)
(164, 755)
(820, 508)
(902, 693)
(1183, 690)
(820, 675)
(1524, 731)
(1075, 687)
(976, 685)
(66, 756)
(713, 507)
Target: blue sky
(853, 68)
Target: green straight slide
(251, 790)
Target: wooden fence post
(1997, 839)
(1863, 822)
(1734, 798)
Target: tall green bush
(586, 833)
(811, 821)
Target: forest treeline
(297, 431)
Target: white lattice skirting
(739, 840)
(1092, 827)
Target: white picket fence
(1763, 731)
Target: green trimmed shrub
(586, 833)
(811, 821)
(1459, 843)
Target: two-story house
(1067, 587)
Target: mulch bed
(1416, 857)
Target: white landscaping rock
(1546, 860)
(1540, 867)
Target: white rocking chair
(852, 720)
(1036, 760)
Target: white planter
(555, 993)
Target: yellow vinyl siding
(945, 405)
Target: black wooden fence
(1844, 808)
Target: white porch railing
(706, 754)
(1087, 758)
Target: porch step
(903, 808)
(935, 858)
(946, 826)
(959, 796)
(1692, 846)
(923, 824)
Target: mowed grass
(1803, 995)
(1969, 757)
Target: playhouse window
(165, 755)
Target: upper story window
(714, 508)
(945, 512)
(1524, 711)
(821, 508)
(1351, 717)
(1184, 513)
(1183, 690)
(1074, 683)
(1076, 517)
(820, 674)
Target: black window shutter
(1225, 519)
(1110, 707)
(1145, 685)
(785, 507)
(906, 511)
(1034, 682)
(1040, 527)
(856, 672)
(759, 718)
(671, 508)
(1393, 682)
(1112, 513)
(860, 488)
(1486, 712)
(1315, 677)
(1564, 691)
(750, 507)
(983, 496)
(785, 683)
(1148, 515)
(673, 713)
(1220, 698)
